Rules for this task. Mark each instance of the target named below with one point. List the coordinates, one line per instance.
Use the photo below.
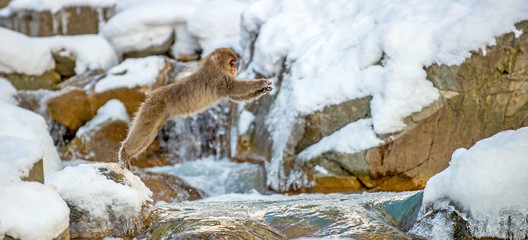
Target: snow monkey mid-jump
(215, 79)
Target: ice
(342, 50)
(131, 73)
(485, 185)
(245, 120)
(111, 111)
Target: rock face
(486, 94)
(67, 21)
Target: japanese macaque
(215, 79)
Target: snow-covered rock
(485, 185)
(105, 200)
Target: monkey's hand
(252, 96)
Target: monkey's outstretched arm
(251, 96)
(242, 87)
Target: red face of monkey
(233, 67)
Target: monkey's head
(226, 59)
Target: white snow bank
(51, 5)
(112, 110)
(88, 188)
(32, 55)
(7, 91)
(341, 50)
(352, 138)
(17, 157)
(142, 25)
(22, 123)
(30, 210)
(245, 120)
(487, 184)
(216, 24)
(131, 73)
(488, 177)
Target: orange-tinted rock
(331, 184)
(169, 188)
(101, 145)
(131, 97)
(70, 109)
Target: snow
(488, 182)
(487, 177)
(113, 110)
(17, 157)
(32, 55)
(141, 25)
(341, 50)
(352, 138)
(216, 24)
(22, 123)
(131, 73)
(31, 210)
(86, 187)
(245, 120)
(52, 5)
(7, 92)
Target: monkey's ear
(216, 56)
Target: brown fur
(213, 80)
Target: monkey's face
(233, 67)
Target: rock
(485, 94)
(48, 80)
(332, 184)
(36, 173)
(169, 188)
(64, 63)
(131, 97)
(100, 138)
(117, 203)
(71, 108)
(67, 21)
(100, 145)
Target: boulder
(64, 63)
(169, 188)
(71, 108)
(104, 200)
(161, 49)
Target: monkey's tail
(124, 158)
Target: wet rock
(36, 173)
(332, 215)
(169, 188)
(332, 184)
(67, 21)
(48, 80)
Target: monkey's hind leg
(145, 127)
